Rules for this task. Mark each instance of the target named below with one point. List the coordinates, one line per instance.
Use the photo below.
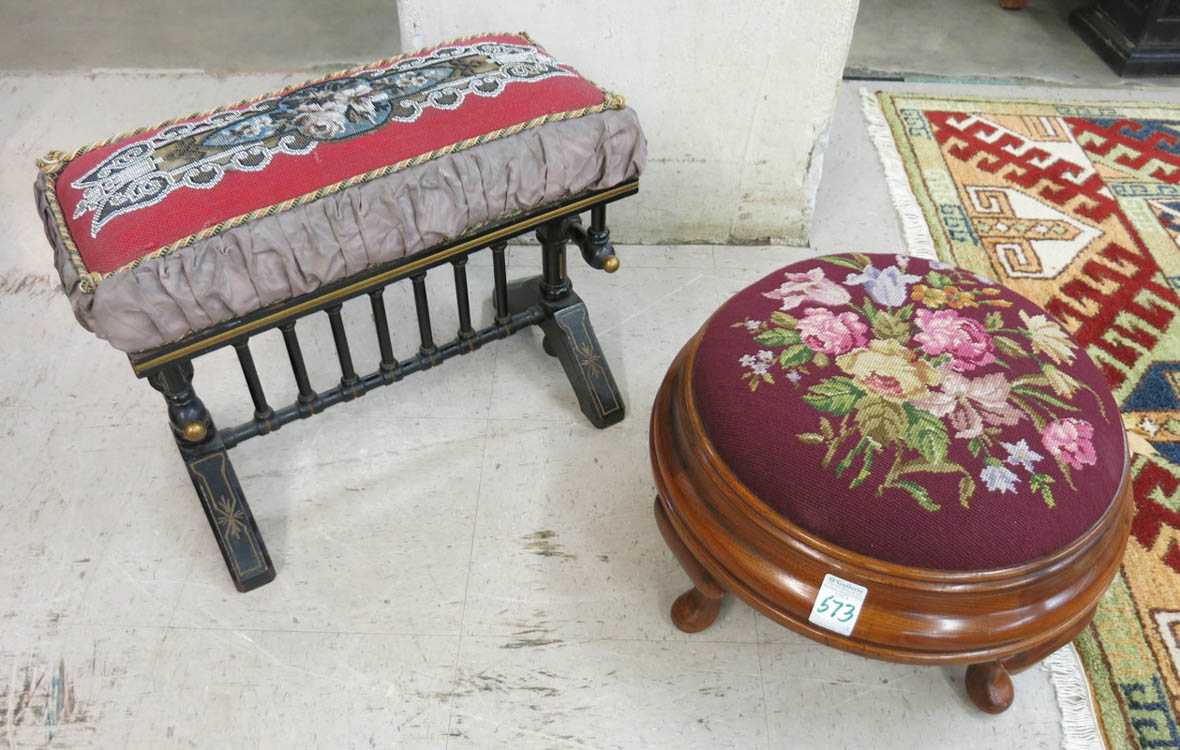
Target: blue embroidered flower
(888, 287)
(1019, 454)
(998, 478)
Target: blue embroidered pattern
(198, 154)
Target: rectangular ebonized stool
(206, 230)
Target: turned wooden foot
(694, 611)
(990, 687)
(697, 608)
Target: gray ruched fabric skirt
(295, 252)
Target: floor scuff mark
(541, 543)
(39, 696)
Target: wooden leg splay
(214, 479)
(570, 338)
(697, 608)
(990, 687)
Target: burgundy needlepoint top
(910, 411)
(131, 197)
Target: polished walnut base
(997, 622)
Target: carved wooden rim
(1017, 613)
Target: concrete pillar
(733, 96)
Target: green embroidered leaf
(866, 467)
(966, 491)
(870, 312)
(780, 318)
(1041, 395)
(825, 428)
(1009, 346)
(1042, 483)
(810, 438)
(886, 326)
(974, 446)
(777, 337)
(922, 467)
(938, 280)
(994, 321)
(842, 467)
(821, 360)
(937, 362)
(835, 395)
(919, 493)
(794, 355)
(926, 434)
(906, 312)
(1031, 380)
(881, 420)
(855, 262)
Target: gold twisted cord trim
(142, 366)
(53, 162)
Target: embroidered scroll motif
(198, 154)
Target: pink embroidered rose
(972, 403)
(811, 286)
(947, 332)
(1070, 440)
(826, 332)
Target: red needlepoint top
(137, 194)
(910, 411)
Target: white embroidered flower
(794, 376)
(410, 80)
(999, 478)
(1149, 425)
(320, 122)
(753, 325)
(759, 363)
(887, 287)
(253, 127)
(1019, 454)
(359, 100)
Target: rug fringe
(1079, 725)
(913, 223)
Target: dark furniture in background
(1135, 37)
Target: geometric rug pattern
(1077, 206)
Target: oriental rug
(1076, 206)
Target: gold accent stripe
(88, 280)
(359, 286)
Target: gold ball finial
(194, 432)
(611, 264)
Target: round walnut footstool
(894, 457)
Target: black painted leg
(213, 477)
(569, 336)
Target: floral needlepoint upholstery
(910, 411)
(171, 229)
